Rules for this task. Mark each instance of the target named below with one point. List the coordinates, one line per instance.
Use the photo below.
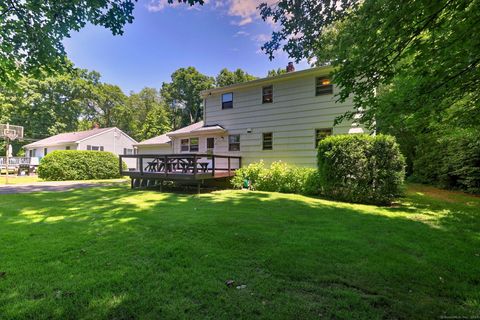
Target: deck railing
(178, 164)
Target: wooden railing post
(194, 165)
(141, 165)
(165, 168)
(120, 167)
(229, 166)
(213, 165)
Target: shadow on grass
(116, 253)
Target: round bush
(78, 165)
(361, 168)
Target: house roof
(268, 80)
(187, 129)
(69, 137)
(163, 139)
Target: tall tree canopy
(374, 42)
(227, 77)
(413, 70)
(184, 91)
(32, 31)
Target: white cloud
(242, 33)
(243, 11)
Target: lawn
(113, 253)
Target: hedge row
(280, 177)
(352, 168)
(64, 165)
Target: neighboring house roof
(163, 139)
(268, 80)
(71, 137)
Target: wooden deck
(195, 169)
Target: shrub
(280, 177)
(78, 165)
(450, 160)
(361, 168)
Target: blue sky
(163, 38)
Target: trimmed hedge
(361, 168)
(78, 165)
(280, 177)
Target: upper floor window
(45, 151)
(32, 153)
(267, 141)
(227, 100)
(193, 144)
(234, 142)
(127, 151)
(267, 94)
(321, 134)
(323, 86)
(184, 144)
(67, 148)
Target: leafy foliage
(64, 165)
(32, 31)
(184, 90)
(276, 72)
(280, 177)
(451, 160)
(227, 77)
(360, 168)
(412, 70)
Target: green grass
(113, 253)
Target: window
(67, 148)
(234, 142)
(32, 153)
(227, 101)
(193, 144)
(267, 94)
(267, 143)
(321, 134)
(95, 148)
(184, 144)
(45, 151)
(127, 151)
(323, 86)
(210, 143)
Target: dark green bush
(280, 177)
(78, 165)
(450, 160)
(361, 168)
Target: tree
(149, 114)
(277, 72)
(185, 88)
(32, 31)
(107, 106)
(227, 77)
(372, 42)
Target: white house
(99, 139)
(273, 118)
